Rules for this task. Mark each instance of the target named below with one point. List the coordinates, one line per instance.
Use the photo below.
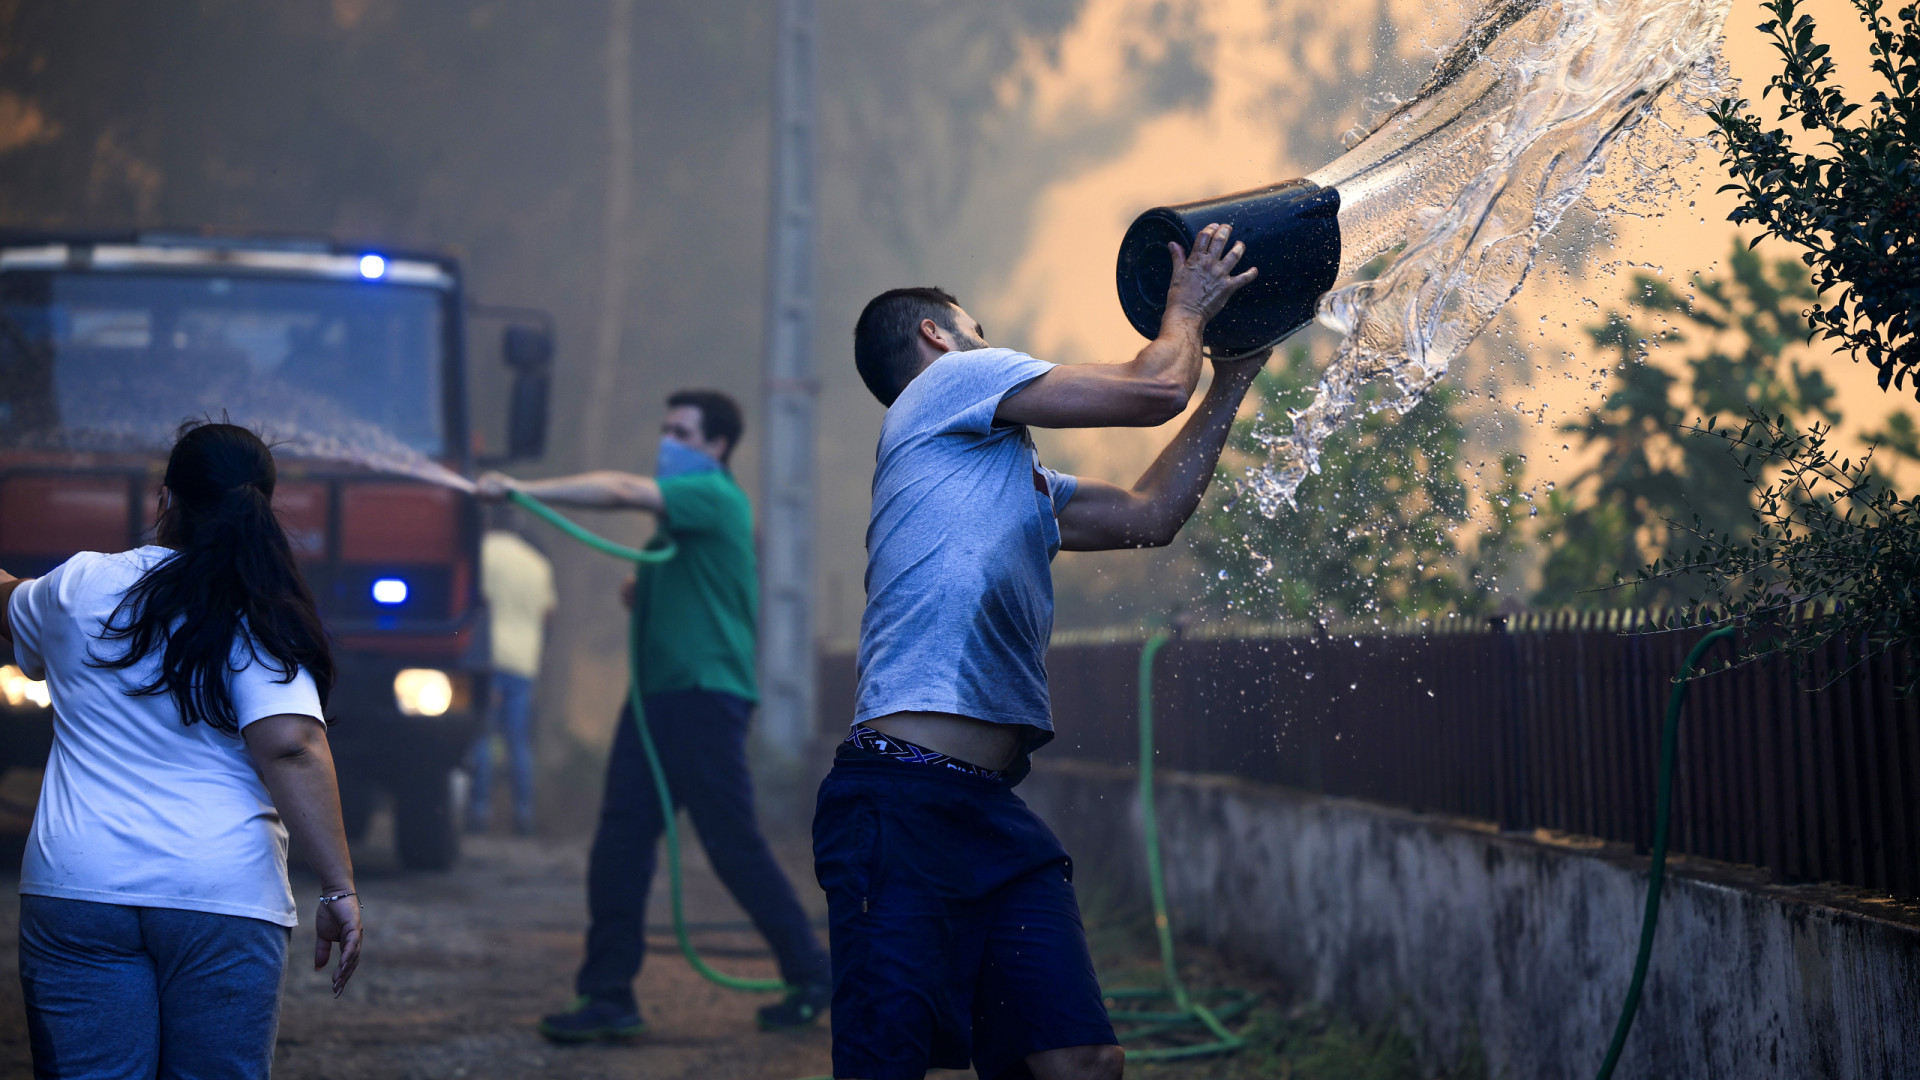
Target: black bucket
(1292, 233)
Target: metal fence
(1542, 721)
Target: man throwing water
(955, 933)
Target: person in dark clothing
(694, 619)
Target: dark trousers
(956, 934)
(702, 739)
(115, 992)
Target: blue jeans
(702, 739)
(114, 993)
(512, 718)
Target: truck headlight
(18, 690)
(423, 692)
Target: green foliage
(1308, 1042)
(1853, 200)
(1303, 1041)
(1833, 553)
(1900, 437)
(1732, 336)
(1835, 556)
(1375, 534)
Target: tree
(1835, 552)
(1733, 335)
(1835, 556)
(1853, 202)
(1375, 533)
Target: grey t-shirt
(959, 591)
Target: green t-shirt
(697, 610)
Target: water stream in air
(369, 448)
(312, 433)
(1461, 184)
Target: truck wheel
(423, 824)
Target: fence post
(1513, 808)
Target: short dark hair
(719, 416)
(883, 338)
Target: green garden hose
(667, 810)
(1657, 873)
(1187, 1012)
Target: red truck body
(109, 342)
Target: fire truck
(353, 359)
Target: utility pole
(616, 244)
(786, 504)
(580, 577)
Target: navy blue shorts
(956, 936)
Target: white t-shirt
(138, 808)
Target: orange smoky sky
(1276, 72)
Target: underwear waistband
(865, 738)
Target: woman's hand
(337, 921)
(291, 754)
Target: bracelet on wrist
(328, 898)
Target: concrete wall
(1459, 932)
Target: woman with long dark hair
(187, 680)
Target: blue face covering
(679, 459)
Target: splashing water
(372, 449)
(1470, 175)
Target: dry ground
(460, 966)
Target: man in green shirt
(694, 618)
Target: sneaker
(593, 1019)
(803, 1005)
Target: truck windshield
(105, 360)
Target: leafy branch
(1834, 555)
(1852, 204)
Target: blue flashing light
(373, 267)
(389, 591)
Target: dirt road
(459, 967)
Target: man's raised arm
(606, 489)
(1155, 385)
(1103, 516)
